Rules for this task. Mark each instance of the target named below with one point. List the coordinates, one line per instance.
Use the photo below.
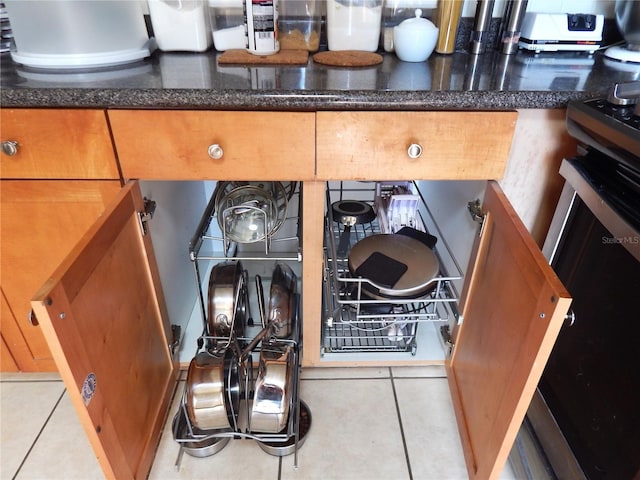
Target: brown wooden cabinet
(221, 145)
(45, 210)
(58, 144)
(448, 145)
(512, 303)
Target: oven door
(585, 413)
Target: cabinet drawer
(57, 144)
(180, 145)
(374, 145)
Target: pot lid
(417, 23)
(394, 265)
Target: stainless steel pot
(273, 389)
(196, 447)
(213, 390)
(281, 311)
(287, 447)
(227, 300)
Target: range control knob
(624, 93)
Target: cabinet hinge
(477, 215)
(175, 340)
(147, 214)
(445, 333)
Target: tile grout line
(404, 441)
(33, 444)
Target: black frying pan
(350, 213)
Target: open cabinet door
(104, 318)
(513, 307)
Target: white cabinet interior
(358, 327)
(180, 205)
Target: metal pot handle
(260, 291)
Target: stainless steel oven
(584, 421)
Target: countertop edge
(293, 100)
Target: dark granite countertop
(445, 82)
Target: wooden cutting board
(283, 57)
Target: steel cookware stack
(220, 375)
(224, 396)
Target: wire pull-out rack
(354, 322)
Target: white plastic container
(68, 34)
(227, 24)
(181, 25)
(354, 24)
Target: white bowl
(415, 38)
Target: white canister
(261, 19)
(181, 25)
(354, 24)
(227, 24)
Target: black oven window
(592, 380)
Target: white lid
(225, 3)
(417, 23)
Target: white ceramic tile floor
(367, 423)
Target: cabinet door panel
(7, 362)
(41, 221)
(58, 144)
(513, 307)
(173, 145)
(104, 317)
(374, 145)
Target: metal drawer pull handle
(414, 150)
(215, 151)
(10, 147)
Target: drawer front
(375, 145)
(57, 144)
(218, 145)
